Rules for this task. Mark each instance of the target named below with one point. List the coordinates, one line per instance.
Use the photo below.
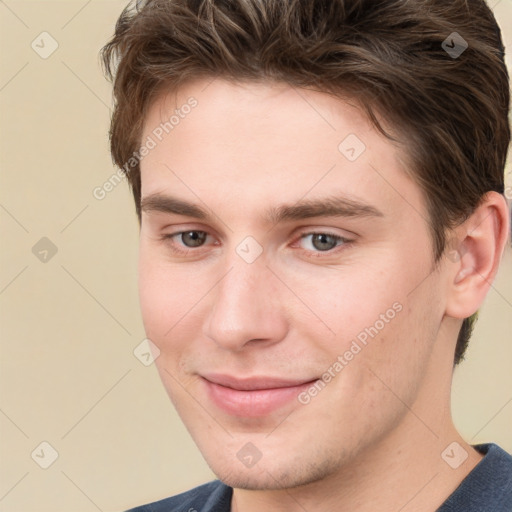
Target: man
(320, 193)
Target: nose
(246, 308)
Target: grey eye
(193, 238)
(322, 241)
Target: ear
(474, 254)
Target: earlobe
(474, 253)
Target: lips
(255, 396)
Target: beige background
(69, 325)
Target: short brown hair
(398, 58)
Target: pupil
(323, 240)
(193, 238)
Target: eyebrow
(331, 206)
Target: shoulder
(211, 497)
(487, 487)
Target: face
(285, 277)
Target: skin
(372, 438)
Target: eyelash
(342, 241)
(341, 244)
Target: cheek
(160, 299)
(153, 296)
(162, 308)
(352, 302)
(381, 329)
(172, 302)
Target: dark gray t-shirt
(488, 488)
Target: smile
(258, 396)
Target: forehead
(261, 143)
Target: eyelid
(343, 241)
(171, 230)
(325, 231)
(170, 236)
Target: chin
(273, 475)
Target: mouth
(255, 396)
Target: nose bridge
(245, 306)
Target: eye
(185, 241)
(322, 242)
(192, 238)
